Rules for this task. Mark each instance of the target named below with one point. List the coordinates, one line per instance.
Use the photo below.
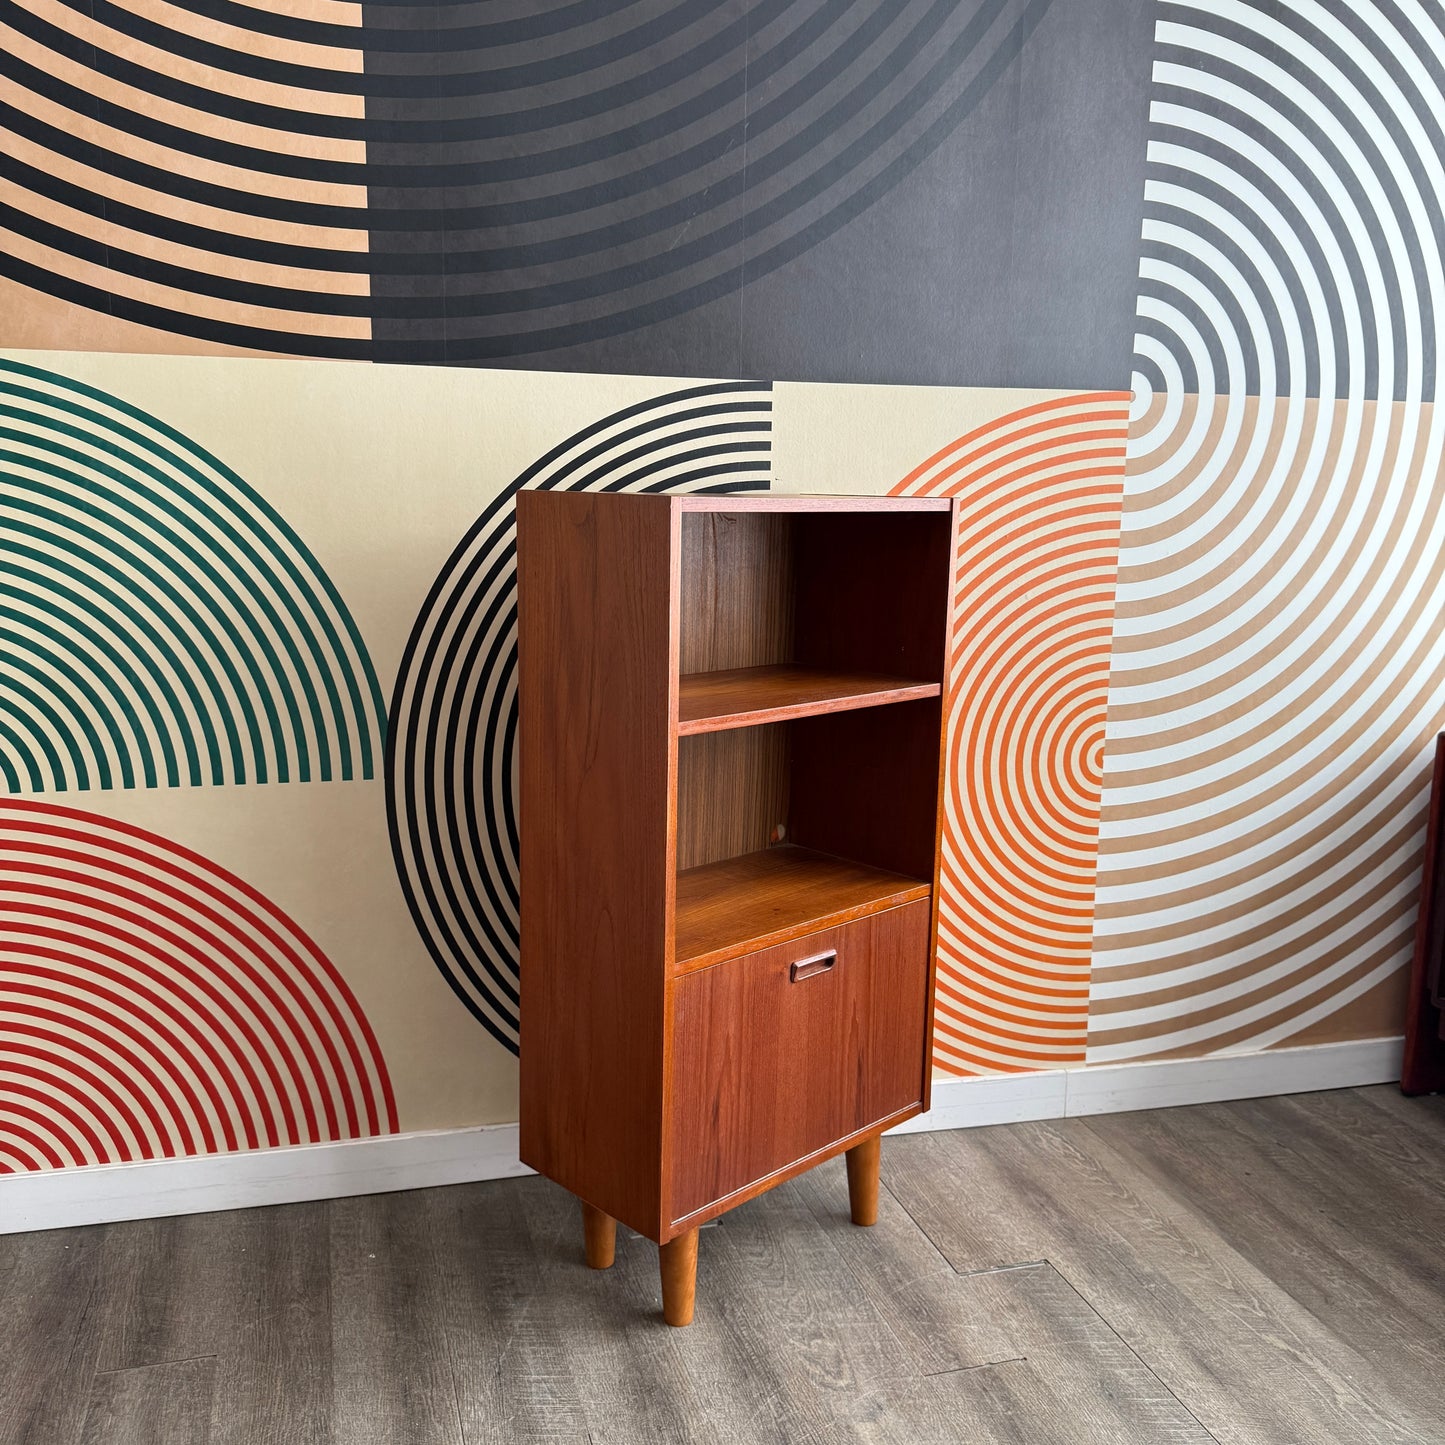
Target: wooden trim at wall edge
(108, 1193)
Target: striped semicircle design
(451, 752)
(338, 179)
(152, 1005)
(1041, 491)
(160, 624)
(1279, 664)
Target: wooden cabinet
(731, 755)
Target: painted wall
(294, 297)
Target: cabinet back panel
(732, 791)
(864, 785)
(737, 590)
(872, 592)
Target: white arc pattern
(1278, 672)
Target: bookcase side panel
(595, 641)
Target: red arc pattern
(1042, 493)
(153, 1005)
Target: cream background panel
(865, 439)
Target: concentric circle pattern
(1041, 491)
(153, 1005)
(1278, 664)
(459, 181)
(451, 753)
(160, 624)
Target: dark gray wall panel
(921, 192)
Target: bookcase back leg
(678, 1259)
(599, 1233)
(863, 1160)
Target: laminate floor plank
(47, 1284)
(1081, 1384)
(789, 1338)
(1255, 1273)
(274, 1376)
(512, 1357)
(169, 1289)
(916, 1291)
(1246, 1359)
(630, 1383)
(1320, 1220)
(166, 1404)
(1405, 1139)
(392, 1376)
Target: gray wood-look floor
(1260, 1273)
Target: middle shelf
(743, 904)
(747, 696)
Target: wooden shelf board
(709, 702)
(760, 899)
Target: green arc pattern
(162, 618)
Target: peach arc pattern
(1042, 492)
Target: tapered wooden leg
(600, 1232)
(863, 1180)
(678, 1259)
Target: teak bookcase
(730, 752)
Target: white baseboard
(61, 1198)
(1157, 1084)
(104, 1193)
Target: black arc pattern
(461, 181)
(451, 749)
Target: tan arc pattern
(1274, 690)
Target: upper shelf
(710, 702)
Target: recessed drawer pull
(810, 967)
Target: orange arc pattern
(1042, 493)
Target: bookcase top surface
(806, 502)
(753, 501)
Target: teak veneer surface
(740, 905)
(746, 696)
(805, 502)
(595, 657)
(824, 1034)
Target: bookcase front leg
(599, 1231)
(863, 1180)
(678, 1259)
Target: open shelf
(756, 900)
(710, 702)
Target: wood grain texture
(736, 591)
(794, 502)
(838, 1051)
(1251, 1363)
(732, 793)
(394, 1377)
(1300, 1193)
(48, 1284)
(1089, 1283)
(599, 1238)
(749, 696)
(166, 1404)
(597, 660)
(274, 1378)
(677, 1265)
(863, 1163)
(763, 899)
